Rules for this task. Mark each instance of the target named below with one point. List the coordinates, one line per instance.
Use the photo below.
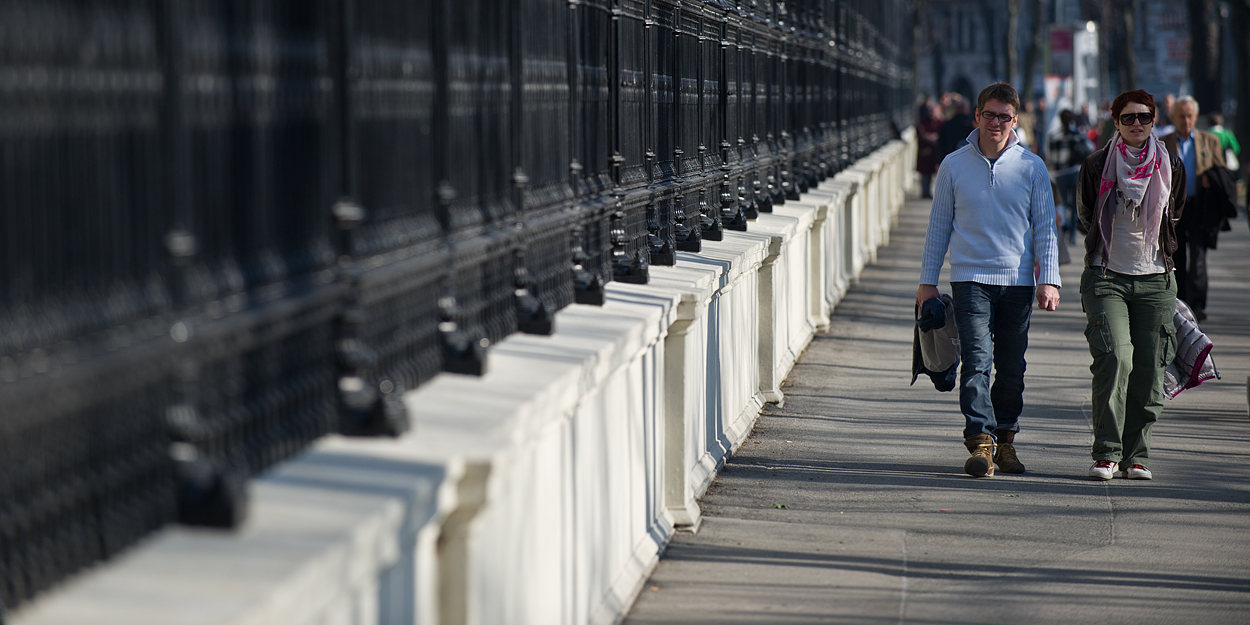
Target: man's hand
(927, 292)
(1048, 296)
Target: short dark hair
(1002, 92)
(1137, 95)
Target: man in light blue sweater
(992, 208)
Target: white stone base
(543, 492)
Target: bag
(1230, 160)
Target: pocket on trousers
(1104, 290)
(1098, 333)
(1167, 344)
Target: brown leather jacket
(1087, 199)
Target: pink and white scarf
(1145, 183)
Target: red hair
(1137, 95)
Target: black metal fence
(228, 227)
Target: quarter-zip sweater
(997, 218)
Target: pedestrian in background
(1068, 149)
(929, 126)
(1065, 256)
(1026, 126)
(1040, 129)
(1200, 151)
(1106, 125)
(955, 130)
(1131, 194)
(1228, 141)
(1163, 117)
(993, 210)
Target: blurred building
(1162, 47)
(963, 46)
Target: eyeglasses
(990, 116)
(1144, 119)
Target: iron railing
(228, 227)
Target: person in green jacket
(1228, 141)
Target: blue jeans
(993, 324)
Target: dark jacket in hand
(1213, 207)
(935, 343)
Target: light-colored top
(1185, 150)
(1128, 239)
(996, 219)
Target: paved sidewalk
(849, 503)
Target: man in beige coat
(1200, 151)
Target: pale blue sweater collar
(975, 136)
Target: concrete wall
(543, 492)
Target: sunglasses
(990, 116)
(1144, 119)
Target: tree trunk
(1110, 48)
(1127, 59)
(1240, 24)
(1032, 50)
(1204, 55)
(918, 42)
(1012, 68)
(988, 34)
(1091, 9)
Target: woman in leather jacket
(1130, 195)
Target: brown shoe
(981, 464)
(1005, 454)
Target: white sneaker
(1104, 469)
(1137, 472)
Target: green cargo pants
(1132, 339)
